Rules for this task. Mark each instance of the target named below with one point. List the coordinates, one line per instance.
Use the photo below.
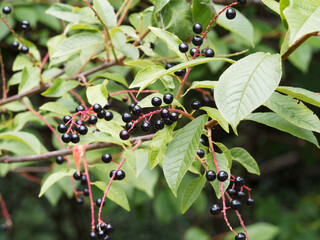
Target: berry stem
(5, 212)
(133, 91)
(74, 93)
(3, 75)
(44, 60)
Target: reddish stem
(5, 212)
(3, 75)
(78, 97)
(44, 60)
(133, 91)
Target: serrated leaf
(275, 121)
(115, 194)
(106, 12)
(246, 85)
(181, 152)
(158, 145)
(293, 111)
(202, 84)
(301, 94)
(60, 87)
(240, 25)
(192, 192)
(137, 160)
(25, 138)
(55, 177)
(97, 94)
(30, 78)
(245, 159)
(216, 115)
(272, 4)
(55, 107)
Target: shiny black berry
(169, 65)
(146, 126)
(250, 201)
(109, 229)
(180, 72)
(211, 176)
(96, 108)
(136, 110)
(200, 153)
(66, 119)
(83, 180)
(83, 130)
(197, 40)
(232, 192)
(80, 200)
(112, 173)
(93, 119)
(129, 125)
(240, 236)
(195, 104)
(24, 49)
(126, 117)
(109, 116)
(124, 135)
(26, 24)
(222, 176)
(156, 101)
(239, 181)
(77, 175)
(242, 2)
(174, 116)
(230, 13)
(99, 201)
(204, 140)
(168, 98)
(15, 44)
(241, 195)
(101, 234)
(209, 53)
(24, 27)
(235, 204)
(197, 28)
(80, 108)
(75, 138)
(215, 209)
(193, 51)
(106, 158)
(107, 106)
(131, 106)
(93, 236)
(167, 121)
(86, 192)
(183, 48)
(164, 113)
(159, 125)
(59, 159)
(6, 10)
(66, 138)
(101, 114)
(120, 175)
(62, 128)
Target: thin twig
(124, 13)
(3, 75)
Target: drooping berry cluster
(102, 231)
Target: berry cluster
(102, 231)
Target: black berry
(169, 65)
(239, 181)
(96, 108)
(174, 116)
(77, 175)
(240, 236)
(168, 98)
(101, 234)
(101, 114)
(25, 24)
(120, 175)
(106, 158)
(183, 48)
(195, 104)
(146, 126)
(93, 236)
(222, 176)
(240, 195)
(211, 176)
(232, 192)
(86, 192)
(180, 72)
(66, 138)
(129, 125)
(66, 119)
(127, 117)
(109, 116)
(112, 173)
(107, 106)
(15, 44)
(159, 125)
(167, 121)
(6, 10)
(136, 110)
(24, 49)
(215, 209)
(80, 201)
(75, 138)
(156, 101)
(99, 201)
(164, 113)
(230, 13)
(209, 53)
(131, 106)
(62, 128)
(197, 40)
(59, 160)
(193, 51)
(235, 204)
(109, 229)
(84, 180)
(204, 140)
(124, 135)
(83, 130)
(80, 108)
(93, 119)
(200, 153)
(197, 28)
(250, 201)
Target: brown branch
(3, 75)
(62, 152)
(124, 13)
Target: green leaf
(30, 78)
(216, 115)
(223, 166)
(60, 87)
(55, 177)
(115, 194)
(275, 121)
(226, 152)
(261, 231)
(196, 233)
(301, 94)
(55, 107)
(192, 192)
(77, 42)
(137, 160)
(97, 94)
(150, 74)
(91, 137)
(293, 111)
(170, 39)
(240, 25)
(181, 152)
(272, 4)
(106, 12)
(140, 63)
(245, 159)
(112, 128)
(246, 85)
(301, 57)
(303, 17)
(25, 138)
(21, 62)
(113, 76)
(203, 12)
(158, 145)
(202, 84)
(147, 181)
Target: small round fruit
(75, 138)
(66, 138)
(164, 113)
(204, 140)
(93, 236)
(167, 121)
(240, 236)
(96, 108)
(222, 176)
(107, 237)
(209, 53)
(197, 28)
(62, 128)
(107, 106)
(109, 116)
(131, 106)
(193, 51)
(180, 72)
(80, 200)
(240, 195)
(99, 201)
(24, 49)
(239, 181)
(83, 130)
(215, 209)
(77, 175)
(197, 40)
(24, 27)
(84, 180)
(86, 192)
(109, 229)
(136, 110)
(66, 118)
(156, 101)
(106, 158)
(125, 99)
(80, 108)
(101, 114)
(25, 23)
(124, 135)
(146, 126)
(183, 47)
(174, 116)
(112, 173)
(200, 153)
(230, 13)
(120, 175)
(169, 65)
(59, 160)
(242, 2)
(15, 44)
(211, 176)
(250, 201)
(232, 192)
(126, 117)
(6, 10)
(93, 119)
(168, 98)
(195, 104)
(235, 204)
(101, 234)
(129, 125)
(159, 125)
